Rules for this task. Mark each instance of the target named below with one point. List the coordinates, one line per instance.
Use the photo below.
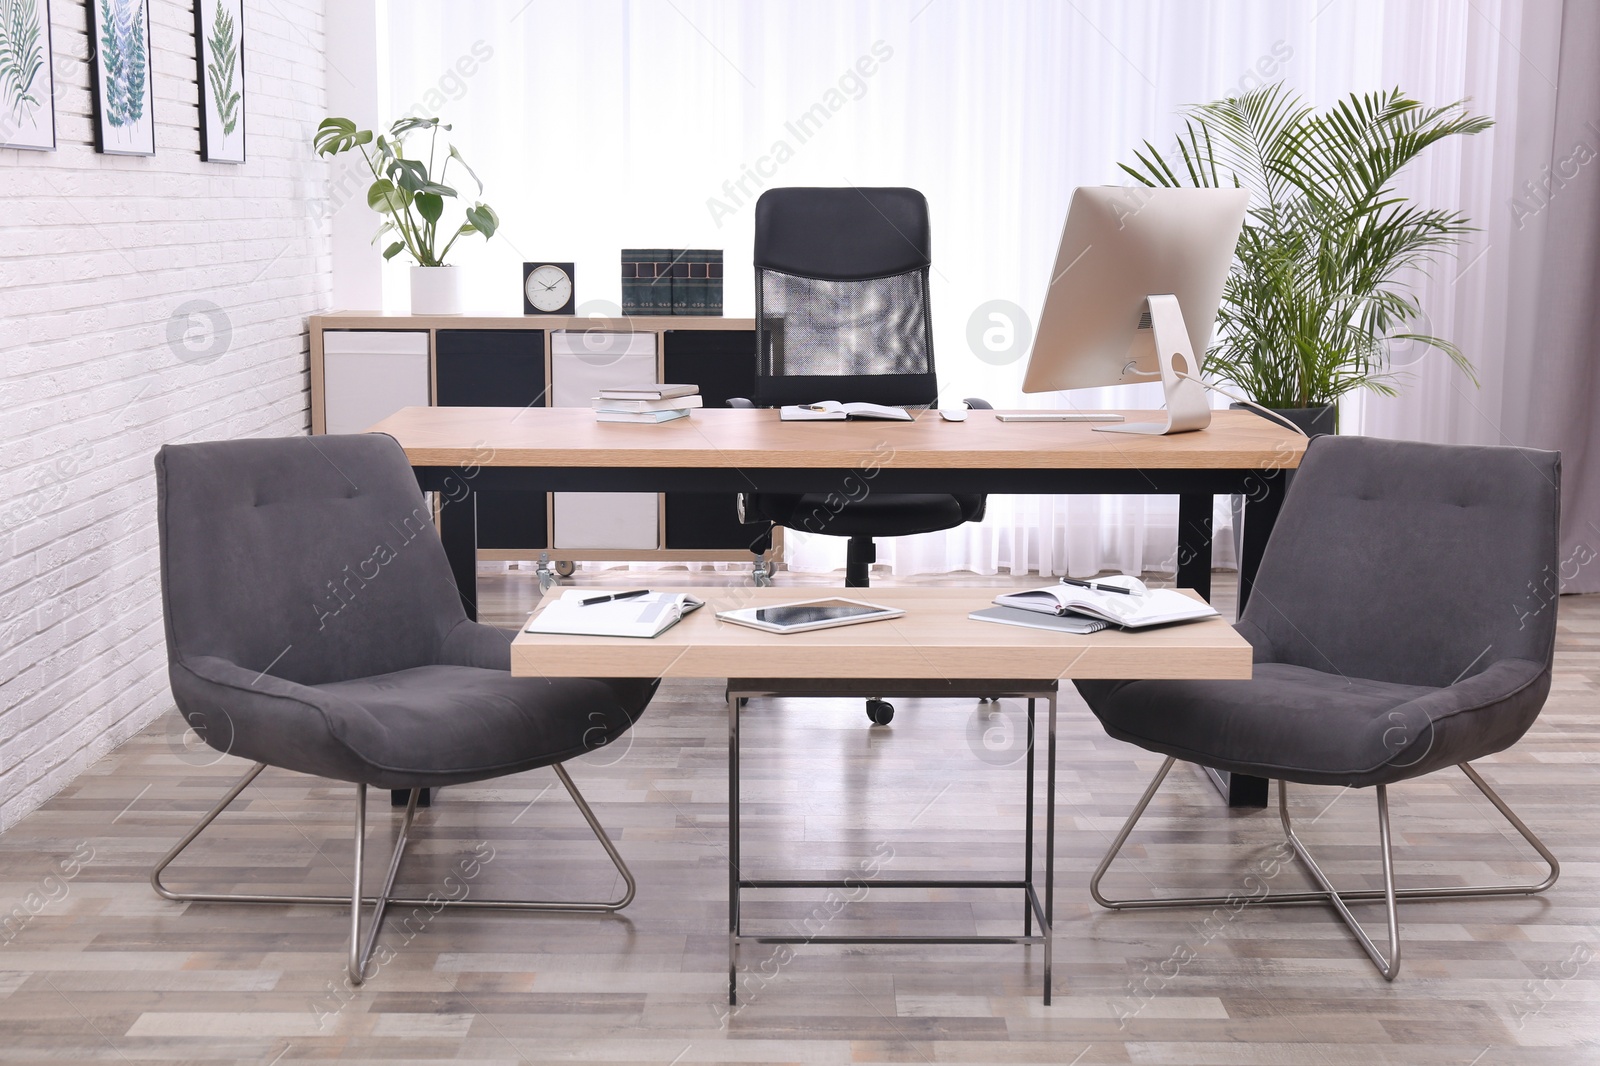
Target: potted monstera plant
(1319, 300)
(411, 196)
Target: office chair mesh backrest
(1417, 564)
(842, 297)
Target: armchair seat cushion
(1304, 725)
(426, 726)
(876, 514)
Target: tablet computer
(809, 614)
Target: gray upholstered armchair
(312, 624)
(1394, 635)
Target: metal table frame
(1033, 909)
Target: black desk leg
(1261, 503)
(458, 528)
(1194, 543)
(1194, 572)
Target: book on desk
(1120, 601)
(834, 411)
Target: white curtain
(655, 123)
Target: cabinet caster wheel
(565, 567)
(547, 579)
(880, 711)
(761, 573)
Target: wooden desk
(936, 651)
(460, 451)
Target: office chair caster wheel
(880, 711)
(565, 567)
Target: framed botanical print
(119, 77)
(27, 76)
(219, 54)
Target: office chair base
(361, 951)
(1387, 964)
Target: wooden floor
(94, 967)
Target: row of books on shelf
(672, 281)
(647, 403)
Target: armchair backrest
(1418, 564)
(312, 559)
(842, 309)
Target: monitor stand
(1187, 409)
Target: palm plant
(1321, 284)
(406, 191)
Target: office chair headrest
(842, 234)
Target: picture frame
(27, 76)
(120, 77)
(219, 62)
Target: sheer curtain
(656, 123)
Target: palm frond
(1320, 283)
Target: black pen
(614, 596)
(1097, 588)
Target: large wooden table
(933, 650)
(458, 451)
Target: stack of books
(672, 281)
(646, 403)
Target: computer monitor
(1134, 293)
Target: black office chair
(1392, 638)
(312, 624)
(842, 313)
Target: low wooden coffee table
(934, 650)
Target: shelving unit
(365, 365)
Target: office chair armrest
(476, 644)
(741, 403)
(978, 403)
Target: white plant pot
(435, 290)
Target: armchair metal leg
(361, 953)
(1388, 965)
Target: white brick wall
(97, 253)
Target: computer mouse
(954, 414)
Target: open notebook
(643, 616)
(1136, 609)
(834, 411)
